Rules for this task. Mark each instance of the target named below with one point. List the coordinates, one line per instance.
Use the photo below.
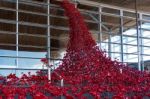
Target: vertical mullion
(138, 36)
(17, 32)
(140, 42)
(121, 31)
(109, 43)
(48, 39)
(100, 28)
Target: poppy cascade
(87, 72)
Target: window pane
(129, 40)
(7, 62)
(109, 10)
(115, 48)
(146, 17)
(129, 49)
(116, 56)
(6, 72)
(146, 58)
(105, 37)
(129, 14)
(26, 17)
(4, 52)
(146, 42)
(146, 34)
(115, 39)
(8, 4)
(30, 63)
(104, 46)
(32, 8)
(131, 32)
(130, 58)
(146, 50)
(145, 25)
(8, 15)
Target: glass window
(104, 46)
(110, 10)
(32, 30)
(4, 52)
(131, 32)
(32, 18)
(146, 34)
(6, 72)
(130, 58)
(145, 25)
(30, 63)
(129, 14)
(7, 27)
(32, 8)
(129, 40)
(7, 15)
(32, 46)
(116, 56)
(8, 4)
(146, 17)
(115, 48)
(6, 62)
(146, 42)
(106, 19)
(105, 37)
(146, 57)
(115, 39)
(129, 49)
(87, 7)
(146, 50)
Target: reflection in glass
(131, 58)
(7, 62)
(115, 39)
(7, 52)
(146, 34)
(146, 42)
(129, 49)
(116, 56)
(146, 50)
(129, 40)
(30, 63)
(32, 54)
(131, 32)
(112, 11)
(104, 46)
(115, 48)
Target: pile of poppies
(86, 70)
